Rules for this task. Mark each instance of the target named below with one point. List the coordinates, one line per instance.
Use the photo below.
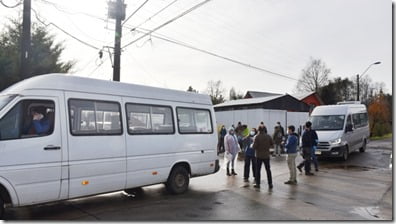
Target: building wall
(253, 117)
(312, 100)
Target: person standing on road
(250, 158)
(223, 133)
(277, 137)
(291, 150)
(231, 147)
(262, 144)
(308, 141)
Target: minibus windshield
(327, 122)
(5, 99)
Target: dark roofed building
(274, 102)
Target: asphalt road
(358, 189)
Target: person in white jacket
(231, 147)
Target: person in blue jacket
(40, 125)
(250, 157)
(291, 150)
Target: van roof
(338, 109)
(66, 82)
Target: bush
(381, 129)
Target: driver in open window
(40, 124)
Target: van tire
(363, 148)
(1, 209)
(178, 180)
(345, 154)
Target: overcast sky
(275, 35)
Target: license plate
(318, 152)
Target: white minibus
(64, 137)
(341, 129)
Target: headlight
(335, 142)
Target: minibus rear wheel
(363, 148)
(178, 180)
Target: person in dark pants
(262, 143)
(223, 133)
(250, 158)
(309, 140)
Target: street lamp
(357, 77)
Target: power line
(130, 16)
(168, 22)
(64, 31)
(155, 14)
(60, 8)
(11, 7)
(167, 39)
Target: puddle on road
(367, 212)
(351, 167)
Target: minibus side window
(194, 121)
(90, 117)
(149, 119)
(28, 118)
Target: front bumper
(337, 151)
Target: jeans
(307, 153)
(267, 169)
(291, 163)
(277, 149)
(249, 159)
(232, 162)
(314, 159)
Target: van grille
(323, 145)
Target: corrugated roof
(256, 94)
(301, 96)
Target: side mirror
(348, 128)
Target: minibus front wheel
(1, 209)
(345, 154)
(178, 180)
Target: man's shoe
(289, 182)
(233, 172)
(299, 169)
(309, 174)
(246, 179)
(256, 185)
(270, 186)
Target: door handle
(51, 147)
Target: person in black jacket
(309, 140)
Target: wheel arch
(182, 163)
(8, 193)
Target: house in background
(311, 98)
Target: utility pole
(25, 40)
(117, 12)
(357, 85)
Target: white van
(341, 129)
(100, 136)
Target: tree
(45, 54)
(337, 90)
(379, 112)
(191, 89)
(314, 76)
(216, 91)
(234, 95)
